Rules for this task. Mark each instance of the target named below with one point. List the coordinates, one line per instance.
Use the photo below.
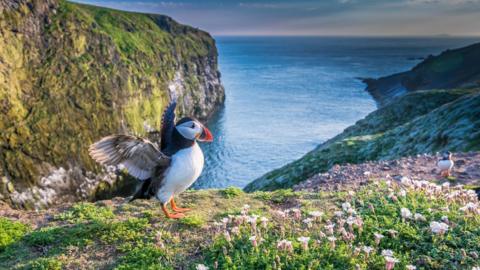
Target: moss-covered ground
(410, 223)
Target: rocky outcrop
(71, 73)
(351, 176)
(443, 120)
(457, 68)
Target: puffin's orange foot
(175, 215)
(169, 215)
(181, 210)
(178, 209)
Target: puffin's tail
(143, 192)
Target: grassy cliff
(419, 122)
(410, 223)
(451, 69)
(71, 73)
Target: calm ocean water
(285, 95)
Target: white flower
(351, 220)
(245, 209)
(346, 206)
(201, 267)
(406, 181)
(469, 207)
(253, 239)
(390, 263)
(264, 222)
(393, 233)
(316, 214)
(252, 219)
(304, 240)
(476, 268)
(367, 249)
(387, 253)
(338, 213)
(351, 211)
(444, 218)
(411, 267)
(280, 214)
(378, 237)
(419, 217)
(235, 230)
(308, 222)
(405, 213)
(402, 193)
(227, 236)
(438, 227)
(225, 220)
(297, 214)
(332, 240)
(329, 228)
(285, 245)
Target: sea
(286, 95)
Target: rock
(71, 74)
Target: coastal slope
(71, 73)
(451, 69)
(444, 120)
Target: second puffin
(166, 171)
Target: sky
(321, 17)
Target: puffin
(445, 164)
(164, 171)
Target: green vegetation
(409, 223)
(231, 192)
(451, 69)
(414, 223)
(443, 120)
(10, 232)
(72, 73)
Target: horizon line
(349, 36)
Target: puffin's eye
(193, 125)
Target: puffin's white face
(193, 130)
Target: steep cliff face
(444, 120)
(72, 73)
(457, 68)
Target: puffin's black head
(447, 155)
(191, 129)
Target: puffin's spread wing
(138, 155)
(168, 124)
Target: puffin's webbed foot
(169, 215)
(178, 209)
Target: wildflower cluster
(387, 225)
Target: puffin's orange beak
(206, 136)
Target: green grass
(231, 192)
(10, 231)
(123, 236)
(378, 207)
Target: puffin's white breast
(445, 165)
(185, 168)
